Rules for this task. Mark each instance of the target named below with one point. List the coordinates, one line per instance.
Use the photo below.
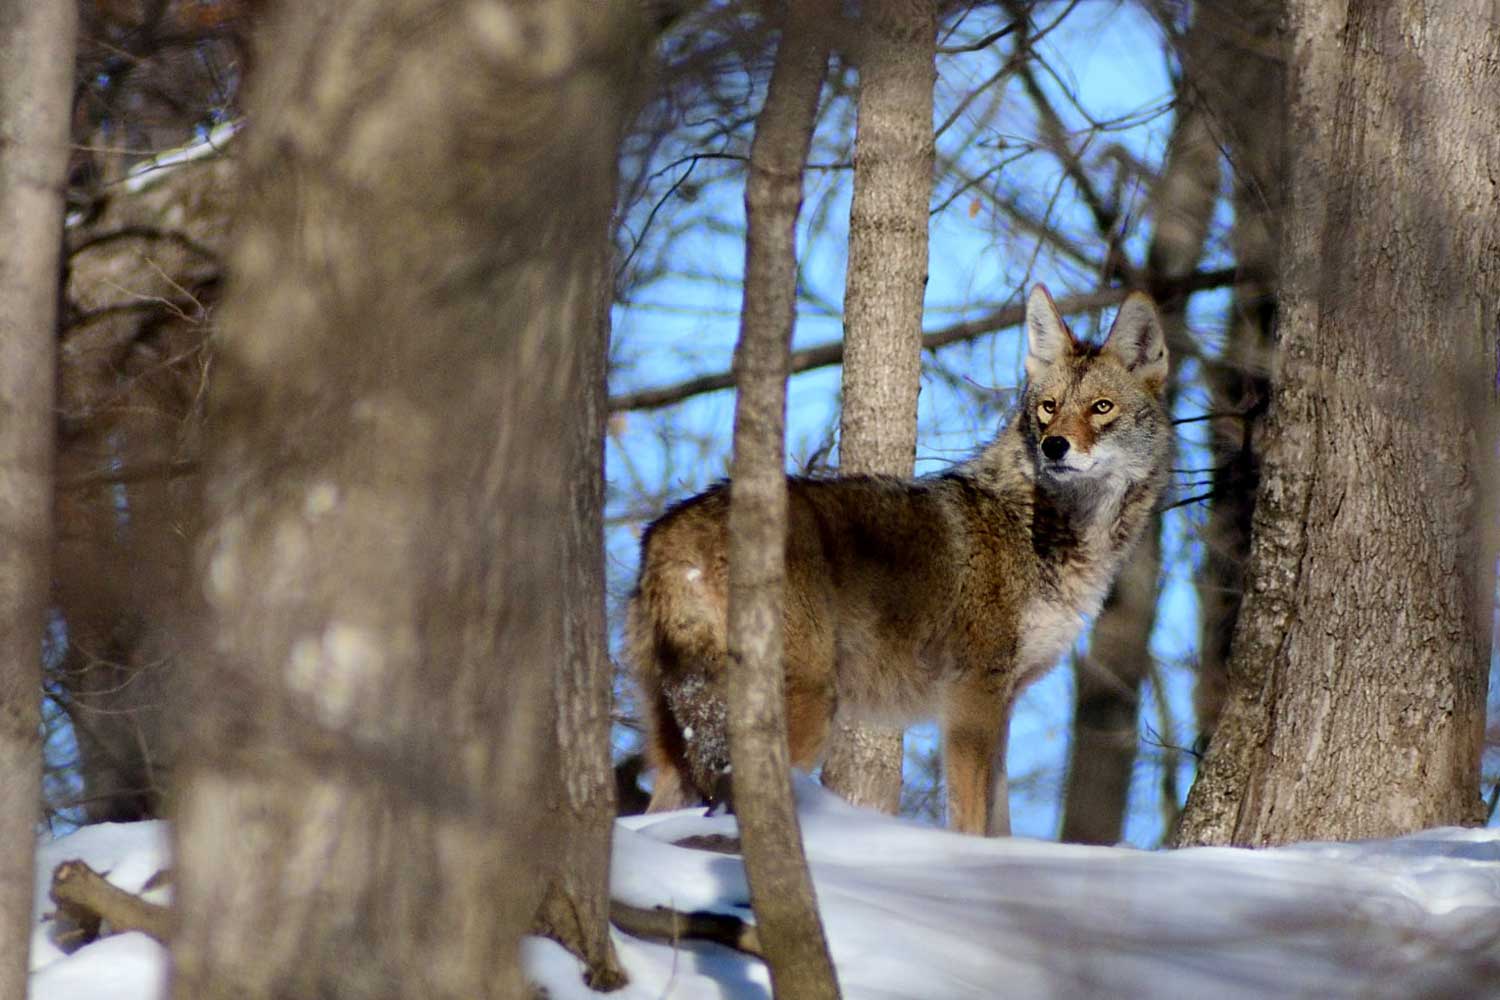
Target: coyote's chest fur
(909, 598)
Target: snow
(149, 171)
(156, 168)
(914, 912)
(123, 965)
(120, 967)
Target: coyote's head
(1093, 413)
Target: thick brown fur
(908, 598)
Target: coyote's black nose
(1054, 447)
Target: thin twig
(1184, 502)
(980, 43)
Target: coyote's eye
(1102, 406)
(1047, 408)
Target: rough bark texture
(887, 280)
(387, 495)
(1357, 681)
(1241, 72)
(1101, 757)
(781, 889)
(575, 909)
(36, 81)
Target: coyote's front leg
(999, 818)
(973, 725)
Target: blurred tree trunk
(36, 97)
(1101, 756)
(887, 279)
(371, 717)
(1244, 82)
(1357, 679)
(575, 908)
(781, 890)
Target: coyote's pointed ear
(1136, 341)
(1047, 338)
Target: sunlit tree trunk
(887, 279)
(36, 97)
(781, 889)
(387, 495)
(1357, 679)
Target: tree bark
(575, 908)
(1106, 704)
(1358, 674)
(887, 280)
(36, 86)
(387, 495)
(781, 889)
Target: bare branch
(823, 355)
(662, 924)
(85, 897)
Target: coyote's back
(907, 598)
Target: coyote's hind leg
(670, 786)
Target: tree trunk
(36, 93)
(1106, 701)
(1358, 674)
(575, 908)
(1243, 81)
(387, 495)
(887, 279)
(144, 276)
(781, 890)
(1101, 757)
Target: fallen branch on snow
(663, 924)
(86, 900)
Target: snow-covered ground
(920, 913)
(122, 967)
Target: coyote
(906, 598)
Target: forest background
(1097, 147)
(1062, 156)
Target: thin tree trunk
(1358, 674)
(781, 889)
(1243, 81)
(575, 909)
(36, 92)
(887, 280)
(1101, 757)
(1106, 701)
(144, 271)
(387, 495)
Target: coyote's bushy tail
(677, 631)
